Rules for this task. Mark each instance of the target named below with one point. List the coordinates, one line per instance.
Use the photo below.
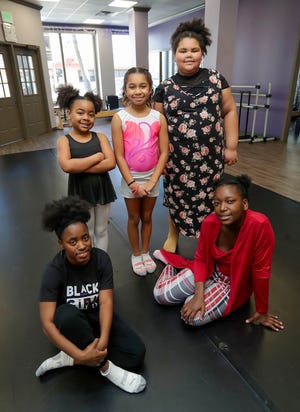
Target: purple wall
(266, 43)
(159, 36)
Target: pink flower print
(183, 178)
(202, 195)
(203, 168)
(192, 105)
(204, 114)
(185, 150)
(203, 99)
(206, 129)
(182, 128)
(174, 104)
(218, 126)
(191, 133)
(189, 221)
(182, 215)
(190, 184)
(204, 150)
(171, 147)
(204, 180)
(215, 98)
(196, 155)
(217, 176)
(213, 79)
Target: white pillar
(221, 19)
(138, 33)
(106, 63)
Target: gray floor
(225, 366)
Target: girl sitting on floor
(76, 302)
(232, 260)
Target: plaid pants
(173, 288)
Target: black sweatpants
(125, 347)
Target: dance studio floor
(224, 366)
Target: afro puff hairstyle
(66, 95)
(59, 214)
(194, 29)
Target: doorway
(23, 103)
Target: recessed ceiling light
(93, 21)
(122, 4)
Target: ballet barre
(255, 100)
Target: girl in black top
(76, 303)
(87, 157)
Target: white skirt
(140, 178)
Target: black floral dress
(192, 106)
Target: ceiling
(78, 11)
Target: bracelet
(130, 183)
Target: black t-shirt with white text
(77, 285)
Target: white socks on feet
(128, 381)
(58, 361)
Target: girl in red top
(232, 261)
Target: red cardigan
(250, 264)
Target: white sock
(128, 381)
(159, 256)
(58, 361)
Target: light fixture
(93, 21)
(122, 4)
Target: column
(106, 63)
(138, 32)
(221, 19)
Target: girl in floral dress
(200, 109)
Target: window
(4, 87)
(27, 75)
(122, 58)
(71, 60)
(161, 66)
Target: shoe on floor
(148, 262)
(138, 265)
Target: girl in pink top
(141, 145)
